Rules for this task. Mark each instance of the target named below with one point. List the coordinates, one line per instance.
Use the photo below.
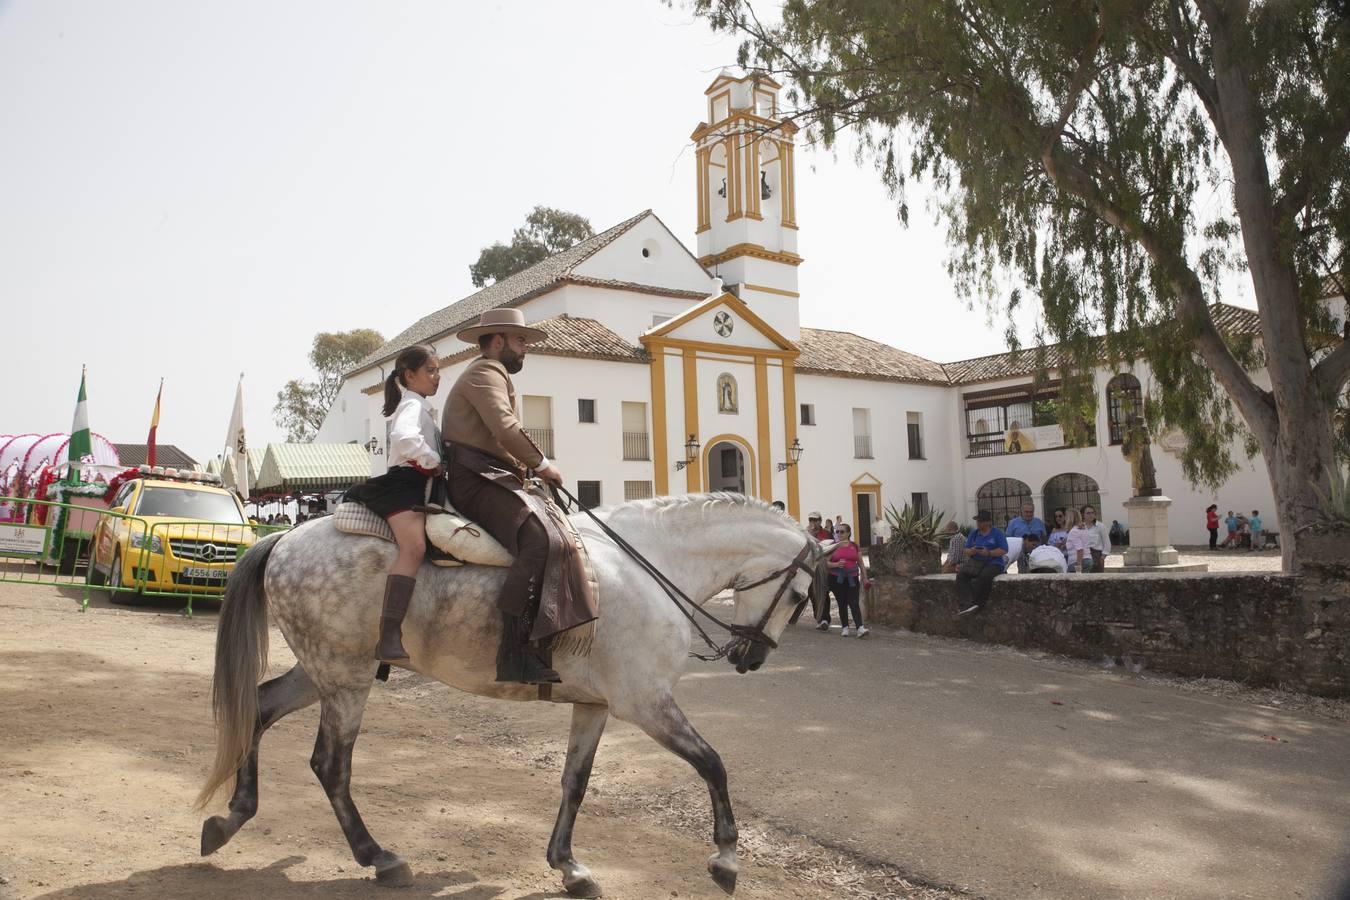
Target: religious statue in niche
(726, 394)
(1135, 448)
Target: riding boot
(517, 659)
(398, 590)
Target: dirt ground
(107, 734)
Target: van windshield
(195, 506)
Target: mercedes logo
(208, 552)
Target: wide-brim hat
(502, 321)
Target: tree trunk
(1298, 465)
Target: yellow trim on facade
(706, 350)
(724, 78)
(660, 433)
(746, 249)
(858, 486)
(762, 414)
(745, 446)
(794, 500)
(787, 177)
(691, 471)
(701, 181)
(736, 305)
(769, 290)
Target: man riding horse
(489, 457)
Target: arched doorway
(1003, 497)
(1071, 489)
(726, 467)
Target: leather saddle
(452, 540)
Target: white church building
(670, 371)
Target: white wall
(667, 263)
(828, 467)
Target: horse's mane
(658, 510)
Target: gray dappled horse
(323, 588)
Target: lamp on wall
(794, 455)
(690, 453)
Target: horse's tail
(241, 657)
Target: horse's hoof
(398, 875)
(582, 884)
(216, 833)
(723, 873)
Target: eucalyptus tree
(1117, 159)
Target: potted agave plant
(914, 546)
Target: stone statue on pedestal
(1135, 448)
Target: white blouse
(413, 433)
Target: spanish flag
(154, 424)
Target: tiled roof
(581, 338)
(848, 355)
(167, 455)
(526, 283)
(1227, 318)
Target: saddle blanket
(461, 540)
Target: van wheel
(115, 592)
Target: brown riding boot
(398, 590)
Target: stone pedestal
(1151, 547)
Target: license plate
(199, 572)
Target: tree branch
(1317, 159)
(1334, 370)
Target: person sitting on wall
(956, 548)
(986, 552)
(1042, 558)
(1023, 525)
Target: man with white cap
(489, 456)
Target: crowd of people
(1244, 532)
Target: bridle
(742, 635)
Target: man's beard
(512, 360)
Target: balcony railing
(636, 445)
(862, 446)
(543, 438)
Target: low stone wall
(1261, 629)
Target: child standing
(414, 457)
(1258, 541)
(1231, 523)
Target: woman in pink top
(845, 580)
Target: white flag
(235, 445)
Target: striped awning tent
(288, 468)
(255, 461)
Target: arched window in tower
(719, 184)
(1123, 400)
(727, 400)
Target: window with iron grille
(637, 490)
(537, 420)
(1003, 498)
(588, 492)
(1070, 490)
(808, 414)
(1123, 399)
(586, 411)
(862, 433)
(635, 442)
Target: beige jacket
(481, 413)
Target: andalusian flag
(154, 424)
(80, 443)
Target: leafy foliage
(547, 231)
(1115, 160)
(1334, 505)
(912, 529)
(302, 405)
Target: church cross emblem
(723, 324)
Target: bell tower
(747, 217)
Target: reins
(754, 633)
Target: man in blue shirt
(1257, 540)
(1026, 524)
(986, 554)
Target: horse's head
(767, 601)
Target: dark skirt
(396, 491)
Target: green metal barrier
(76, 544)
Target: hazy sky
(191, 190)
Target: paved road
(1021, 777)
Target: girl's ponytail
(393, 393)
(411, 359)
